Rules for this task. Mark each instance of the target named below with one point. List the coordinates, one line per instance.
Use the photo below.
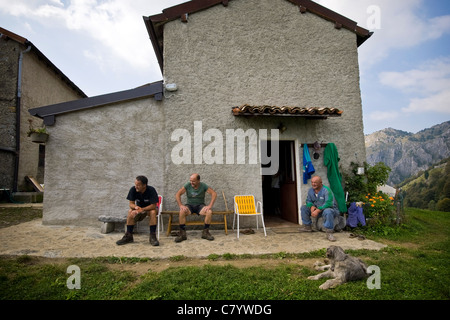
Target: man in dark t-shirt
(195, 193)
(142, 202)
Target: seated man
(195, 192)
(319, 202)
(142, 201)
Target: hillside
(408, 153)
(429, 189)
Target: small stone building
(246, 84)
(28, 79)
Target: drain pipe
(18, 105)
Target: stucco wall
(9, 55)
(260, 52)
(93, 157)
(40, 86)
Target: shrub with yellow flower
(379, 209)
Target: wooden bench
(197, 223)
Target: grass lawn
(415, 265)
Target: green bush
(379, 209)
(443, 205)
(358, 186)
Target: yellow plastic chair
(244, 205)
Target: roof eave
(49, 112)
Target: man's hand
(184, 209)
(136, 210)
(315, 211)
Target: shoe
(153, 240)
(330, 235)
(206, 235)
(181, 236)
(140, 216)
(305, 228)
(127, 238)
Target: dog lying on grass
(342, 268)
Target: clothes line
(311, 145)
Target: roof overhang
(286, 111)
(8, 35)
(48, 113)
(155, 23)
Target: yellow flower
(372, 205)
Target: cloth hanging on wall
(331, 161)
(308, 168)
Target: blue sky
(103, 47)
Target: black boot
(181, 236)
(206, 235)
(153, 240)
(127, 238)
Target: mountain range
(408, 153)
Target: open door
(288, 200)
(280, 190)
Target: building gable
(8, 35)
(155, 24)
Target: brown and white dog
(342, 268)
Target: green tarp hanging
(331, 161)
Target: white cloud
(383, 115)
(431, 76)
(116, 25)
(401, 25)
(439, 102)
(428, 86)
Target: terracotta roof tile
(266, 110)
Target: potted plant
(38, 135)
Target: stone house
(246, 84)
(28, 79)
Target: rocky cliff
(407, 153)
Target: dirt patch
(141, 268)
(10, 217)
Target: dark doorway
(280, 189)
